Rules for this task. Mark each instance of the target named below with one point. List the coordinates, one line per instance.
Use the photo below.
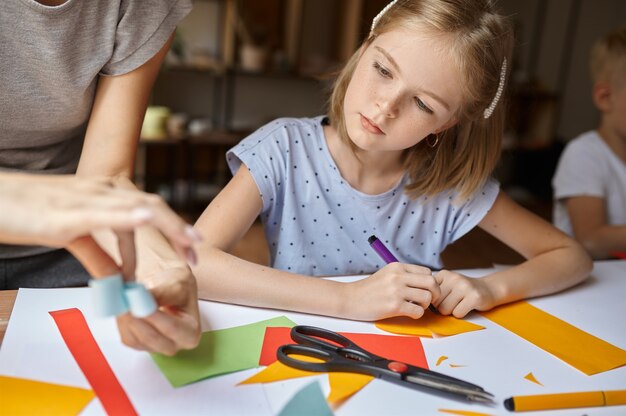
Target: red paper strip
(89, 357)
(405, 349)
(619, 254)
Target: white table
(495, 358)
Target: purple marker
(381, 250)
(386, 255)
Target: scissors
(338, 353)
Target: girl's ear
(446, 126)
(602, 96)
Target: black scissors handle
(334, 352)
(325, 360)
(329, 341)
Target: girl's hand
(397, 289)
(461, 294)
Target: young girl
(412, 135)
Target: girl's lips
(369, 126)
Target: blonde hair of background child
(608, 58)
(481, 43)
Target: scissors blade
(473, 394)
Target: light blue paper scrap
(140, 302)
(108, 296)
(309, 401)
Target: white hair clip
(381, 13)
(496, 98)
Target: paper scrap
(464, 412)
(429, 325)
(583, 351)
(309, 401)
(278, 371)
(92, 362)
(531, 377)
(406, 349)
(220, 352)
(29, 397)
(344, 385)
(441, 359)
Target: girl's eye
(422, 106)
(382, 70)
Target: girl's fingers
(418, 296)
(411, 310)
(416, 269)
(463, 308)
(450, 302)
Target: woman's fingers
(161, 332)
(148, 337)
(126, 245)
(97, 262)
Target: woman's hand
(461, 294)
(397, 289)
(55, 210)
(176, 323)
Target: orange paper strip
(441, 359)
(429, 325)
(578, 348)
(531, 377)
(279, 371)
(89, 357)
(344, 385)
(30, 397)
(463, 412)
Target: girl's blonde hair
(608, 57)
(481, 40)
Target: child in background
(412, 136)
(590, 180)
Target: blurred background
(237, 64)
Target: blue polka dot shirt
(317, 224)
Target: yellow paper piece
(278, 371)
(429, 325)
(531, 377)
(344, 385)
(463, 412)
(29, 397)
(441, 359)
(587, 353)
(457, 365)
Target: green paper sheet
(219, 352)
(309, 401)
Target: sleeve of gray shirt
(143, 28)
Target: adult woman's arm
(109, 150)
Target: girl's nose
(388, 104)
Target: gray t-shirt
(317, 224)
(50, 61)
